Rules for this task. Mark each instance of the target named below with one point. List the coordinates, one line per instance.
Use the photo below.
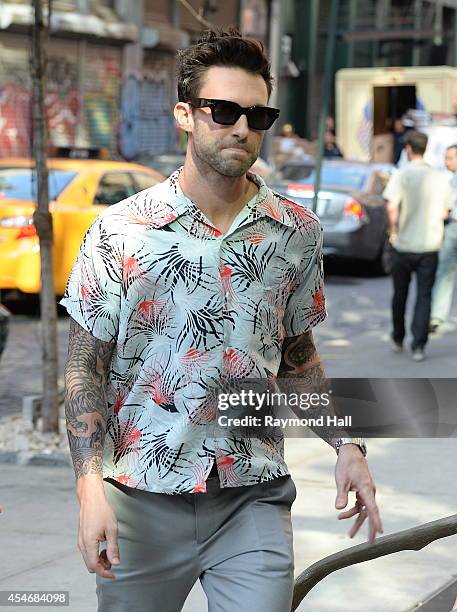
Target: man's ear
(183, 116)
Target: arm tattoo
(85, 398)
(301, 360)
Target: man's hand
(352, 474)
(97, 523)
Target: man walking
(204, 278)
(419, 198)
(443, 289)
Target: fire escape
(404, 32)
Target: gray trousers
(237, 541)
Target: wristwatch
(359, 441)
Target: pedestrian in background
(331, 148)
(447, 262)
(399, 139)
(419, 198)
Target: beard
(230, 164)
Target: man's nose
(241, 127)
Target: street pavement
(355, 339)
(415, 478)
(415, 484)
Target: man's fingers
(91, 550)
(101, 566)
(375, 524)
(104, 560)
(348, 513)
(358, 523)
(341, 500)
(102, 571)
(112, 548)
(367, 496)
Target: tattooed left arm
(301, 360)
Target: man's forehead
(234, 84)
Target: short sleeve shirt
(187, 308)
(424, 195)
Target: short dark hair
(453, 146)
(417, 141)
(225, 47)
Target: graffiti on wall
(62, 100)
(100, 118)
(88, 117)
(14, 120)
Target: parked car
(4, 327)
(350, 204)
(79, 189)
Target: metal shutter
(147, 124)
(101, 82)
(15, 95)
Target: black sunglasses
(225, 112)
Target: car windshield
(22, 185)
(339, 176)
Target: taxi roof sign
(80, 152)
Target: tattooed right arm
(85, 399)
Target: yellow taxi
(79, 189)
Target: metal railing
(415, 538)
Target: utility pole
(311, 68)
(326, 88)
(43, 222)
(418, 16)
(274, 44)
(352, 22)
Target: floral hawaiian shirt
(188, 306)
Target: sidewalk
(415, 478)
(39, 528)
(354, 341)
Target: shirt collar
(419, 162)
(267, 203)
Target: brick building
(111, 71)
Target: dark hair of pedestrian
(417, 141)
(454, 146)
(225, 47)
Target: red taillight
(300, 187)
(354, 208)
(22, 223)
(28, 231)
